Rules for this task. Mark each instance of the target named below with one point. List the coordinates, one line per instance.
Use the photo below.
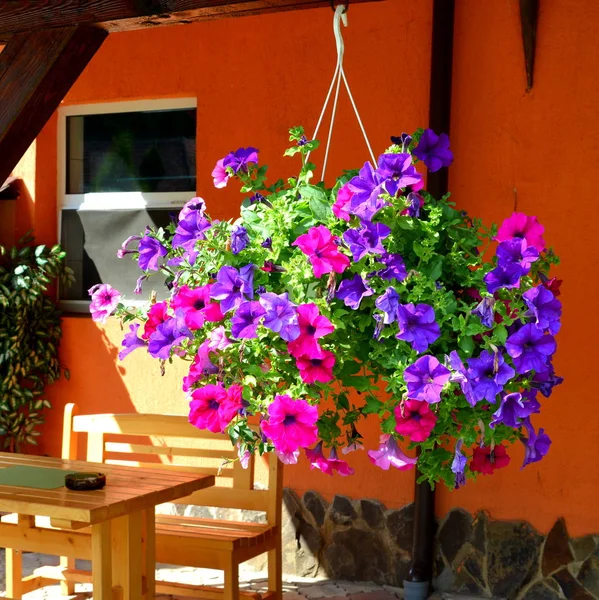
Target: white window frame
(111, 201)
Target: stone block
(570, 587)
(583, 547)
(454, 533)
(556, 552)
(373, 513)
(400, 524)
(512, 556)
(479, 532)
(339, 562)
(342, 511)
(589, 573)
(543, 590)
(370, 556)
(316, 506)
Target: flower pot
(416, 590)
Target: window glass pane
(150, 151)
(91, 239)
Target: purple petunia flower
(545, 381)
(366, 240)
(484, 310)
(131, 341)
(246, 319)
(351, 291)
(503, 278)
(460, 375)
(189, 230)
(233, 286)
(530, 348)
(399, 167)
(458, 465)
(168, 335)
(536, 446)
(281, 315)
(267, 243)
(395, 267)
(434, 150)
(513, 407)
(425, 379)
(239, 239)
(404, 140)
(388, 303)
(240, 159)
(415, 203)
(417, 325)
(488, 374)
(389, 454)
(367, 188)
(516, 252)
(124, 249)
(544, 307)
(150, 250)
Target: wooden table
(121, 517)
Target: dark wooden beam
(36, 71)
(18, 16)
(529, 18)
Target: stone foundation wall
(362, 540)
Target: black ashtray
(85, 481)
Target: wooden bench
(186, 541)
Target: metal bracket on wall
(529, 17)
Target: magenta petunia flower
(204, 408)
(519, 225)
(200, 367)
(415, 420)
(232, 405)
(343, 203)
(338, 465)
(104, 300)
(426, 378)
(220, 175)
(288, 458)
(312, 327)
(197, 306)
(319, 368)
(417, 325)
(322, 251)
(318, 460)
(157, 314)
(291, 424)
(390, 454)
(131, 341)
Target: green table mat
(41, 478)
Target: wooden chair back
(234, 485)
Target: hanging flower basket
(320, 306)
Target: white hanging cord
(338, 75)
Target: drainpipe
(419, 579)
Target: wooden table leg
(149, 553)
(101, 561)
(14, 573)
(127, 556)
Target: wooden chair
(189, 541)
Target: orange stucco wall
(538, 152)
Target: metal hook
(345, 4)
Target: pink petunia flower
(197, 305)
(322, 251)
(415, 420)
(291, 425)
(200, 367)
(338, 465)
(316, 368)
(232, 405)
(318, 460)
(312, 326)
(218, 339)
(343, 202)
(520, 225)
(220, 175)
(157, 315)
(244, 457)
(288, 458)
(204, 408)
(390, 454)
(104, 300)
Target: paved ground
(296, 588)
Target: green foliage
(30, 335)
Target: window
(122, 167)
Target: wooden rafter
(18, 16)
(37, 69)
